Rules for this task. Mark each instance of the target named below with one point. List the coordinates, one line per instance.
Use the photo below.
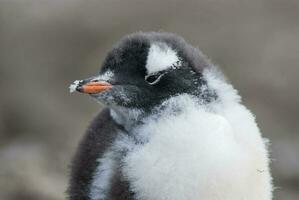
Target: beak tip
(79, 88)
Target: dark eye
(153, 78)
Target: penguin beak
(90, 86)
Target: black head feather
(135, 88)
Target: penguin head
(145, 69)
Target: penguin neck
(127, 117)
(131, 118)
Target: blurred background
(45, 45)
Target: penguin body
(174, 129)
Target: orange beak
(94, 87)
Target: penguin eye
(152, 79)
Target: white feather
(107, 165)
(102, 178)
(108, 75)
(160, 57)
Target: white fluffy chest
(195, 155)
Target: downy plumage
(173, 129)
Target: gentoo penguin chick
(173, 129)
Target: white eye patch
(160, 57)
